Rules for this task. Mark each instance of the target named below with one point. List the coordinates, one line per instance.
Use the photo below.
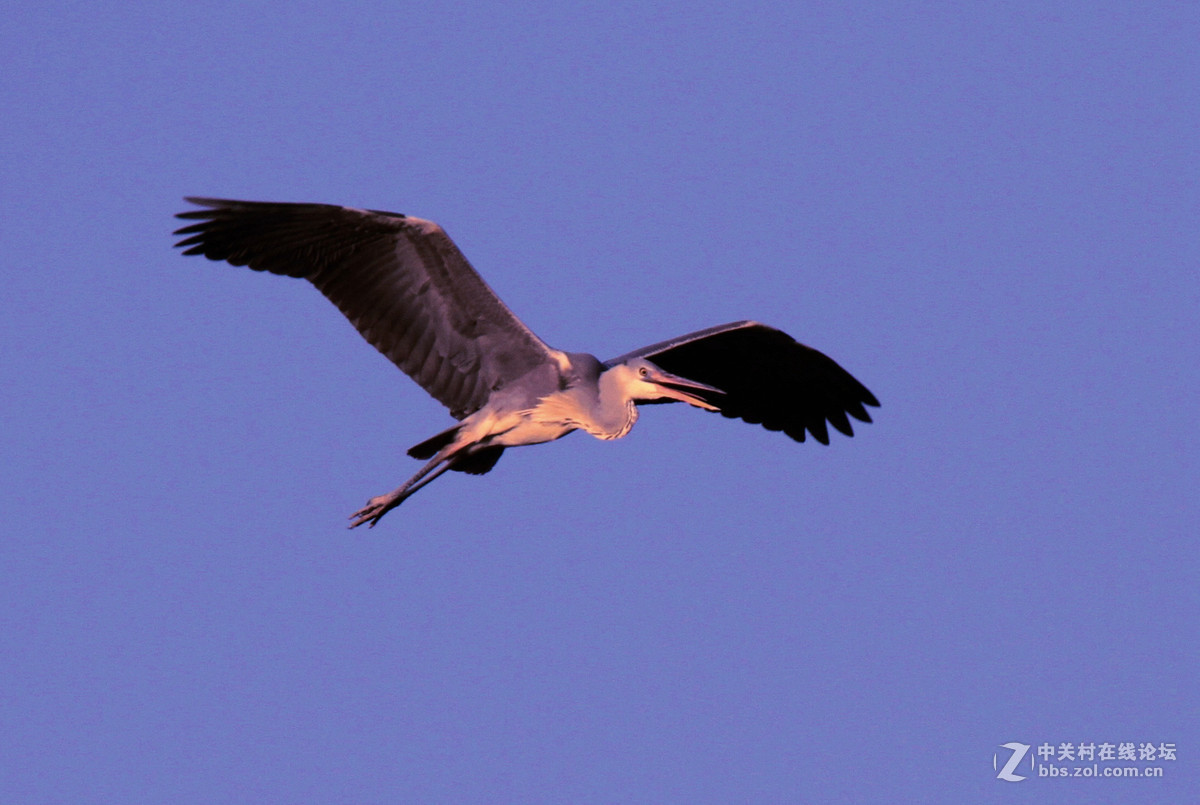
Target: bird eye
(643, 371)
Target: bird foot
(374, 510)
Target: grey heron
(412, 295)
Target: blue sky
(988, 214)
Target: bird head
(642, 380)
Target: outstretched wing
(767, 376)
(400, 281)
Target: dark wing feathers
(400, 281)
(767, 376)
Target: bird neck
(616, 412)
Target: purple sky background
(988, 214)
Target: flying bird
(412, 295)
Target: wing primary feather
(768, 378)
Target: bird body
(411, 293)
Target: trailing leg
(382, 504)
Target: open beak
(677, 388)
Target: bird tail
(428, 448)
(475, 460)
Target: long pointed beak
(676, 388)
